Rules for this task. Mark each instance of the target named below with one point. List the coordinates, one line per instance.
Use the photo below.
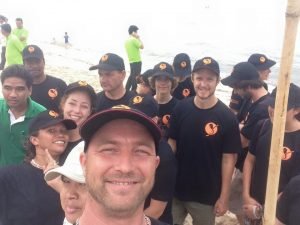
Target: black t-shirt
(289, 203)
(26, 199)
(260, 148)
(165, 177)
(202, 137)
(104, 102)
(64, 155)
(257, 111)
(49, 92)
(164, 115)
(184, 89)
(157, 222)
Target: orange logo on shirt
(104, 58)
(186, 92)
(137, 99)
(53, 114)
(262, 59)
(82, 83)
(52, 93)
(165, 119)
(286, 153)
(31, 49)
(162, 66)
(211, 129)
(207, 61)
(183, 64)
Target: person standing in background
(14, 47)
(133, 45)
(66, 37)
(3, 20)
(46, 90)
(20, 31)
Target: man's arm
(172, 143)
(228, 162)
(156, 208)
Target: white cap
(71, 168)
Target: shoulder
(55, 79)
(36, 107)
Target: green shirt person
(14, 46)
(16, 110)
(20, 31)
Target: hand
(51, 163)
(221, 207)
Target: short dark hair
(30, 148)
(17, 71)
(6, 27)
(3, 18)
(19, 19)
(254, 84)
(132, 29)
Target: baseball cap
(293, 99)
(84, 86)
(207, 63)
(71, 167)
(145, 104)
(110, 62)
(260, 61)
(241, 72)
(32, 51)
(49, 118)
(96, 121)
(144, 78)
(163, 69)
(182, 65)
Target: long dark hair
(30, 148)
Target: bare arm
(228, 162)
(247, 174)
(156, 208)
(172, 143)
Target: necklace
(35, 164)
(147, 220)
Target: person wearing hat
(204, 134)
(164, 82)
(143, 83)
(288, 204)
(257, 160)
(16, 110)
(46, 90)
(77, 104)
(182, 71)
(25, 197)
(14, 47)
(133, 45)
(71, 185)
(158, 204)
(119, 163)
(111, 70)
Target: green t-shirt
(21, 33)
(14, 48)
(132, 46)
(12, 137)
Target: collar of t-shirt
(13, 119)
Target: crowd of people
(149, 152)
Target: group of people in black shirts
(210, 158)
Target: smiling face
(205, 82)
(77, 106)
(54, 138)
(120, 165)
(72, 197)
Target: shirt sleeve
(173, 130)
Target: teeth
(75, 117)
(123, 183)
(59, 142)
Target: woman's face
(77, 107)
(72, 197)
